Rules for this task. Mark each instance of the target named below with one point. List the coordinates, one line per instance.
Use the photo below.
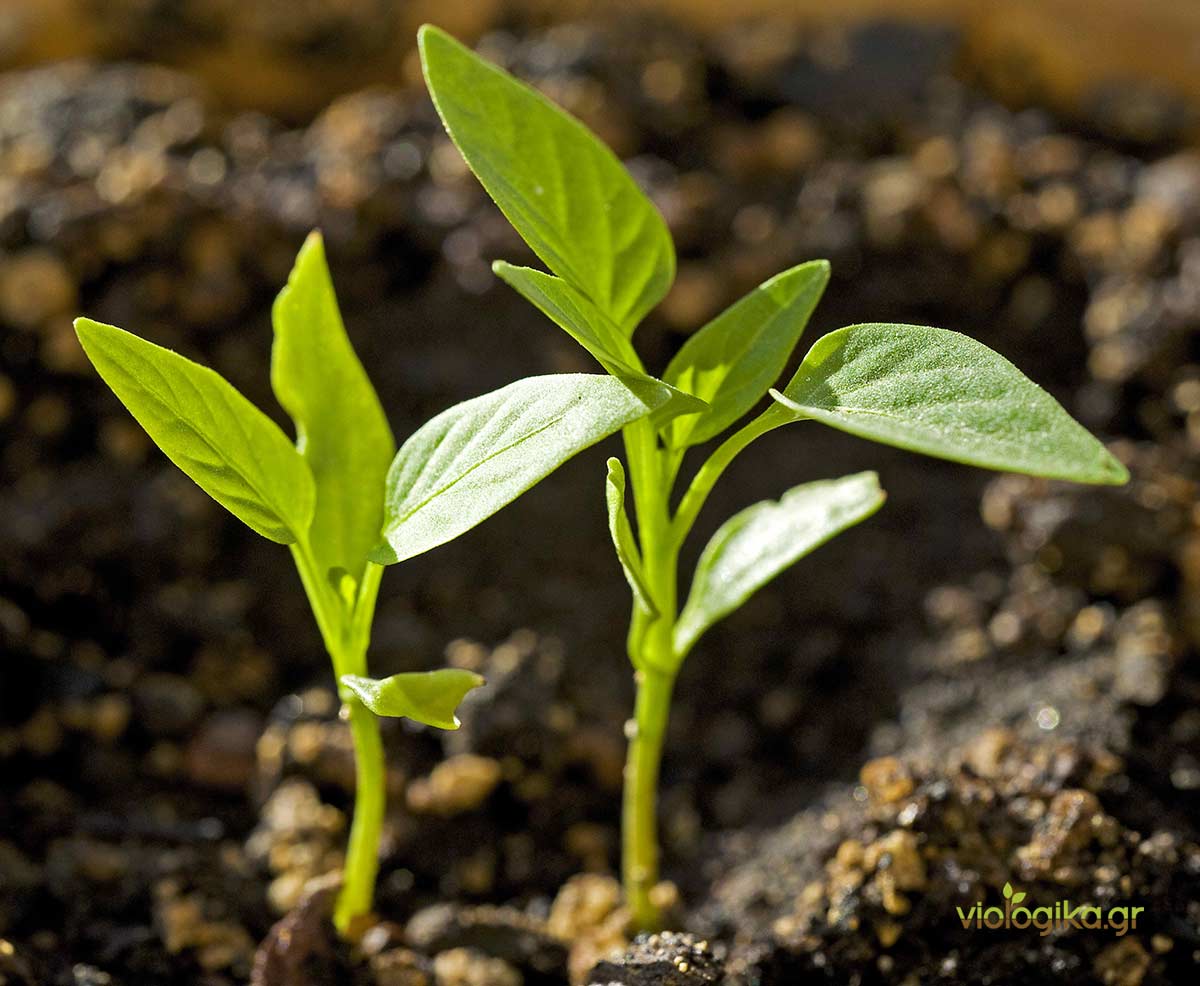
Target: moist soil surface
(991, 682)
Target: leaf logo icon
(1016, 896)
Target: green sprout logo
(1059, 916)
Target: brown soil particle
(664, 959)
(459, 784)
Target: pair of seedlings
(348, 503)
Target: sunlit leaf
(944, 394)
(562, 189)
(341, 429)
(755, 545)
(233, 451)
(732, 361)
(468, 462)
(595, 331)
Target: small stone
(665, 959)
(400, 967)
(466, 967)
(886, 779)
(459, 784)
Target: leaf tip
(1114, 470)
(428, 34)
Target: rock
(886, 780)
(1071, 820)
(460, 784)
(299, 947)
(467, 967)
(587, 912)
(298, 838)
(401, 967)
(664, 959)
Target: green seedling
(345, 500)
(611, 260)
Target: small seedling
(345, 500)
(918, 388)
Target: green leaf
(595, 331)
(468, 462)
(1008, 891)
(732, 361)
(755, 545)
(431, 697)
(562, 189)
(622, 536)
(944, 394)
(341, 429)
(1018, 897)
(236, 454)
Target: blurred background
(1023, 172)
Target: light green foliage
(233, 451)
(758, 543)
(571, 310)
(341, 429)
(922, 389)
(561, 188)
(622, 536)
(732, 361)
(332, 494)
(431, 697)
(468, 462)
(944, 394)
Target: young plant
(918, 388)
(345, 500)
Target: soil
(992, 682)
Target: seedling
(612, 260)
(345, 501)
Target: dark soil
(992, 681)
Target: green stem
(716, 464)
(639, 816)
(346, 631)
(370, 795)
(650, 649)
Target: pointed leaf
(1018, 897)
(468, 462)
(1008, 891)
(622, 536)
(595, 331)
(755, 545)
(562, 189)
(944, 394)
(734, 359)
(341, 429)
(236, 454)
(431, 697)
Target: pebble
(467, 967)
(458, 784)
(664, 959)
